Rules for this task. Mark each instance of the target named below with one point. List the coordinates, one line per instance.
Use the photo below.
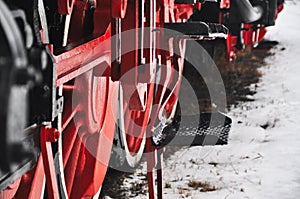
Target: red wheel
(170, 84)
(168, 111)
(168, 108)
(133, 125)
(88, 123)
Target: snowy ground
(262, 159)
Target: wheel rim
(133, 126)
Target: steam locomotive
(84, 83)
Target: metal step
(196, 29)
(193, 1)
(194, 130)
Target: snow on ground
(262, 159)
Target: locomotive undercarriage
(85, 79)
(247, 21)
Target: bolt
(52, 135)
(46, 91)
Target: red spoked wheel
(168, 110)
(169, 82)
(133, 125)
(168, 105)
(88, 123)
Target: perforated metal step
(194, 130)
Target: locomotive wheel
(170, 107)
(88, 123)
(169, 110)
(132, 127)
(14, 106)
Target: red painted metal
(159, 154)
(183, 11)
(137, 84)
(260, 34)
(77, 61)
(136, 122)
(168, 88)
(252, 35)
(130, 60)
(119, 8)
(151, 163)
(48, 135)
(248, 34)
(136, 96)
(65, 6)
(32, 183)
(83, 58)
(78, 20)
(88, 129)
(279, 9)
(102, 16)
(90, 96)
(231, 50)
(11, 190)
(225, 4)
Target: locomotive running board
(195, 130)
(196, 29)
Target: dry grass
(213, 163)
(168, 185)
(203, 186)
(184, 192)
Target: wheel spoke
(71, 165)
(133, 125)
(84, 117)
(70, 114)
(69, 137)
